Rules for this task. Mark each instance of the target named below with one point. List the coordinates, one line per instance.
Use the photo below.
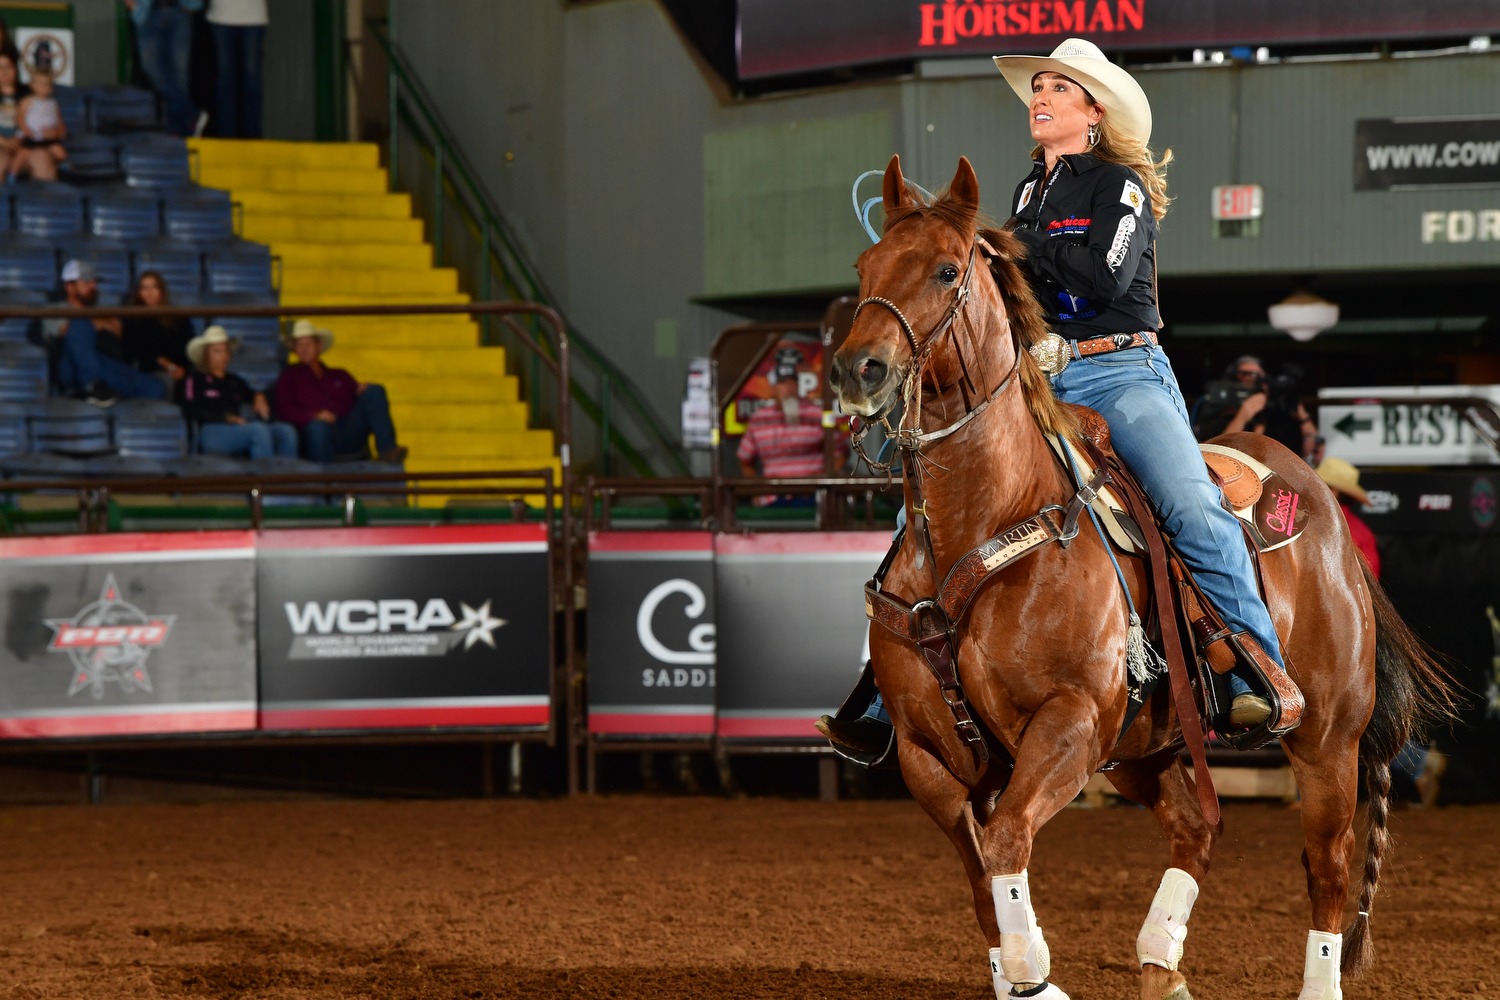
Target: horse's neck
(993, 473)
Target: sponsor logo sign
(1396, 153)
(1462, 503)
(108, 641)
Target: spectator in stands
(164, 36)
(92, 362)
(12, 90)
(239, 30)
(335, 414)
(787, 436)
(42, 132)
(231, 418)
(156, 345)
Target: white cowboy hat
(213, 335)
(1343, 478)
(1080, 60)
(304, 328)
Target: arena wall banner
(1456, 503)
(652, 668)
(379, 628)
(1405, 153)
(780, 37)
(793, 635)
(127, 634)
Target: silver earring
(1094, 134)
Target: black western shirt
(1090, 240)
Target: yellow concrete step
(385, 256)
(488, 417)
(338, 298)
(456, 365)
(294, 180)
(272, 153)
(413, 390)
(348, 331)
(372, 281)
(438, 446)
(396, 205)
(265, 227)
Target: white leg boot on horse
(1024, 959)
(1320, 974)
(1160, 941)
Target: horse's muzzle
(861, 384)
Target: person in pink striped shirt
(785, 436)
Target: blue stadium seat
(126, 467)
(74, 104)
(69, 427)
(203, 466)
(238, 266)
(48, 209)
(92, 157)
(12, 428)
(178, 261)
(150, 428)
(124, 213)
(277, 465)
(254, 332)
(154, 159)
(19, 329)
(259, 365)
(116, 107)
(198, 213)
(33, 466)
(111, 258)
(5, 212)
(23, 373)
(27, 262)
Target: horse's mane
(1026, 316)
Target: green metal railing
(496, 267)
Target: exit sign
(1237, 202)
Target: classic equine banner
(405, 627)
(780, 37)
(131, 634)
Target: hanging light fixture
(1303, 315)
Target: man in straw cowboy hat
(335, 414)
(1087, 214)
(1343, 479)
(231, 418)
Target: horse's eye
(949, 274)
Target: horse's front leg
(1053, 764)
(1161, 784)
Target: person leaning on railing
(335, 414)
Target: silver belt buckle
(1051, 354)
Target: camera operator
(1250, 400)
(1224, 398)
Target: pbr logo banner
(651, 631)
(118, 635)
(793, 636)
(1464, 503)
(405, 627)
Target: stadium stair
(343, 238)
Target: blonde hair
(1115, 146)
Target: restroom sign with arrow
(1429, 426)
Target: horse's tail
(1413, 693)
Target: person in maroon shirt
(334, 414)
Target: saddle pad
(1274, 512)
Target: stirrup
(1277, 687)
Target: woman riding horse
(1087, 215)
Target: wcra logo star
(481, 627)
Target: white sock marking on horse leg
(1002, 985)
(1320, 974)
(1161, 937)
(1024, 959)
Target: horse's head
(911, 286)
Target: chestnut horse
(1042, 650)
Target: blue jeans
(238, 90)
(350, 434)
(248, 440)
(166, 45)
(81, 365)
(1136, 392)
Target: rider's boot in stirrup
(1278, 714)
(862, 735)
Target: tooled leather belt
(1053, 353)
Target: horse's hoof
(1180, 993)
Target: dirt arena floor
(672, 897)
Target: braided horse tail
(1413, 692)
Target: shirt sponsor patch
(1121, 246)
(1025, 198)
(1133, 197)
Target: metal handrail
(409, 101)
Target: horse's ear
(896, 194)
(965, 187)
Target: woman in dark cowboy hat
(1088, 214)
